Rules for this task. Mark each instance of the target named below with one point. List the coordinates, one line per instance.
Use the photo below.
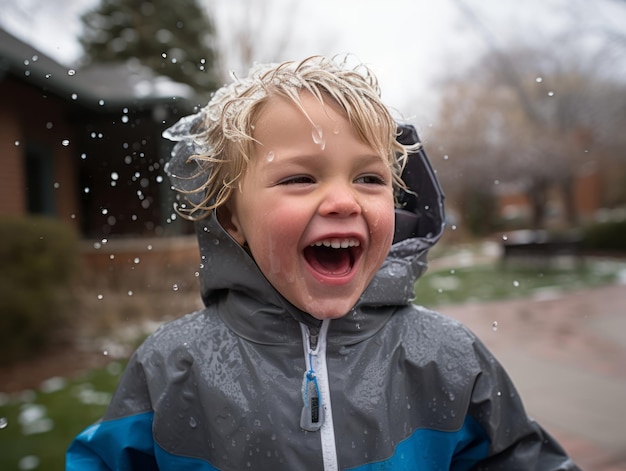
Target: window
(39, 180)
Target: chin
(333, 310)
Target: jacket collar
(256, 311)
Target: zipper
(316, 415)
(312, 416)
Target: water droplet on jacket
(71, 72)
(3, 422)
(192, 422)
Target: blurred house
(85, 145)
(587, 199)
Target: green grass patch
(495, 281)
(37, 426)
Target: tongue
(329, 261)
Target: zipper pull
(314, 334)
(312, 416)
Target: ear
(230, 222)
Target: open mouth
(333, 257)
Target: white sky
(408, 43)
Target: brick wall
(29, 117)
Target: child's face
(316, 207)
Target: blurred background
(522, 110)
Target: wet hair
(224, 130)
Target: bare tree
(535, 114)
(491, 137)
(250, 31)
(604, 21)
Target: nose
(339, 200)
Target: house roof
(101, 86)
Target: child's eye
(296, 180)
(371, 180)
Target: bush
(480, 207)
(606, 237)
(38, 257)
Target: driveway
(566, 353)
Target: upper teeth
(337, 243)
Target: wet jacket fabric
(251, 382)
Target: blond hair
(224, 130)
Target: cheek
(382, 221)
(273, 243)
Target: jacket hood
(225, 265)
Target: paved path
(566, 354)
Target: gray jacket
(251, 382)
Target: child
(309, 353)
